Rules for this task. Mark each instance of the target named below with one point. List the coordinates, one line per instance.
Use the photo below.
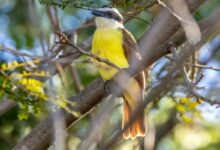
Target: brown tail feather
(133, 96)
(137, 128)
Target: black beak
(97, 13)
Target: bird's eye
(110, 14)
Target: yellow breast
(107, 44)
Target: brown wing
(132, 53)
(130, 46)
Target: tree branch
(6, 105)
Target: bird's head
(108, 17)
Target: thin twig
(94, 56)
(18, 53)
(190, 85)
(202, 66)
(36, 23)
(195, 93)
(76, 78)
(53, 18)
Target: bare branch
(76, 78)
(203, 66)
(190, 88)
(18, 53)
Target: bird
(111, 41)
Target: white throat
(102, 22)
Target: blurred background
(177, 121)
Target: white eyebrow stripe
(110, 9)
(106, 9)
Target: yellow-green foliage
(19, 82)
(33, 86)
(187, 108)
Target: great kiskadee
(113, 42)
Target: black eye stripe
(113, 15)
